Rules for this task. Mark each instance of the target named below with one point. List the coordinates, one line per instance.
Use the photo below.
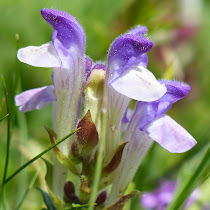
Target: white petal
(140, 84)
(39, 56)
(170, 135)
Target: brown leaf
(119, 205)
(115, 160)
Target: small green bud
(84, 189)
(93, 91)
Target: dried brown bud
(87, 136)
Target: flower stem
(98, 167)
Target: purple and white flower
(106, 89)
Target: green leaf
(60, 156)
(49, 173)
(47, 200)
(201, 173)
(57, 202)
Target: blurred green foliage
(103, 21)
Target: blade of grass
(8, 131)
(27, 190)
(2, 106)
(7, 145)
(4, 117)
(201, 173)
(38, 156)
(17, 72)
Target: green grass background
(103, 21)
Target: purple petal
(170, 135)
(175, 91)
(100, 66)
(128, 115)
(144, 60)
(126, 51)
(69, 43)
(35, 98)
(68, 37)
(88, 64)
(140, 31)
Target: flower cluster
(95, 97)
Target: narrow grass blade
(4, 117)
(8, 131)
(201, 173)
(2, 104)
(38, 156)
(28, 189)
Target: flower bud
(69, 193)
(101, 198)
(87, 136)
(93, 91)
